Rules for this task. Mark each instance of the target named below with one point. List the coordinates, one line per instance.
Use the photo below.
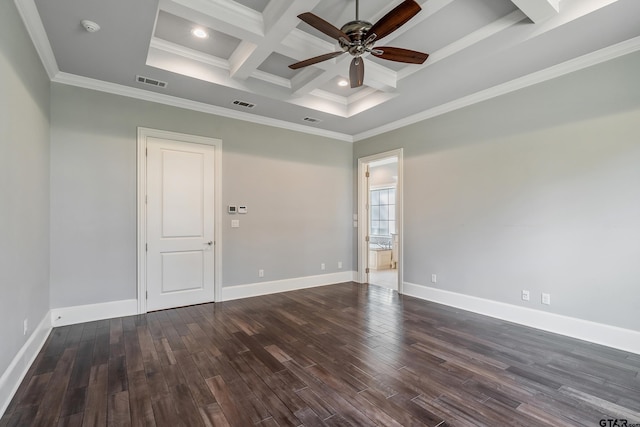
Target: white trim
(598, 333)
(143, 134)
(538, 10)
(141, 220)
(19, 366)
(174, 101)
(185, 52)
(363, 223)
(31, 18)
(570, 66)
(90, 312)
(273, 287)
(33, 23)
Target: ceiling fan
(358, 37)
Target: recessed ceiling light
(342, 82)
(200, 33)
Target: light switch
(235, 223)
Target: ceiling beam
(280, 18)
(230, 18)
(429, 9)
(467, 41)
(538, 10)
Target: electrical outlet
(260, 273)
(25, 327)
(322, 266)
(525, 295)
(339, 264)
(434, 278)
(546, 299)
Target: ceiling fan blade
(356, 72)
(394, 19)
(400, 55)
(323, 26)
(315, 60)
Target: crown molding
(192, 54)
(567, 67)
(31, 18)
(233, 13)
(145, 95)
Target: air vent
(311, 120)
(244, 104)
(152, 82)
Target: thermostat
(232, 209)
(242, 209)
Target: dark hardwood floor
(345, 354)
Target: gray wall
(24, 185)
(298, 189)
(537, 190)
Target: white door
(180, 223)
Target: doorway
(178, 227)
(380, 220)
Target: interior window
(383, 211)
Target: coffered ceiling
(478, 49)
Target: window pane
(384, 228)
(375, 197)
(384, 213)
(384, 197)
(375, 213)
(375, 227)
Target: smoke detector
(90, 26)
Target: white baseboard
(17, 369)
(90, 312)
(266, 288)
(598, 333)
(107, 310)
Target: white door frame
(363, 247)
(143, 134)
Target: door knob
(210, 243)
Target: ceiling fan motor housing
(357, 32)
(357, 38)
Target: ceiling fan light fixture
(343, 82)
(199, 33)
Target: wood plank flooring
(339, 355)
